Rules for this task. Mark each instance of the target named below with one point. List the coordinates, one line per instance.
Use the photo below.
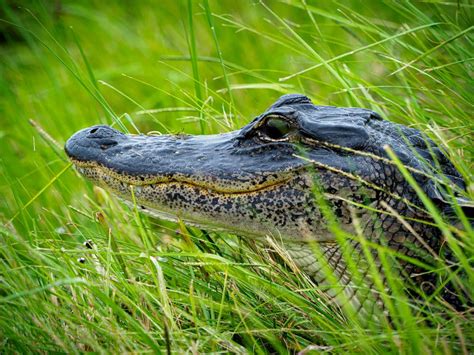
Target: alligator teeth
(80, 170)
(138, 189)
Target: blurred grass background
(199, 67)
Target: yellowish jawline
(162, 182)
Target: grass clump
(146, 285)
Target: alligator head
(260, 180)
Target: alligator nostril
(93, 130)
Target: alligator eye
(276, 128)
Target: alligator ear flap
(343, 134)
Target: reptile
(314, 181)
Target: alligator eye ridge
(275, 128)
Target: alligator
(316, 182)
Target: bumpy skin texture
(266, 180)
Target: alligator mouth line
(97, 171)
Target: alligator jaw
(216, 209)
(108, 177)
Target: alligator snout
(88, 143)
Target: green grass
(205, 67)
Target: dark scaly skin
(257, 182)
